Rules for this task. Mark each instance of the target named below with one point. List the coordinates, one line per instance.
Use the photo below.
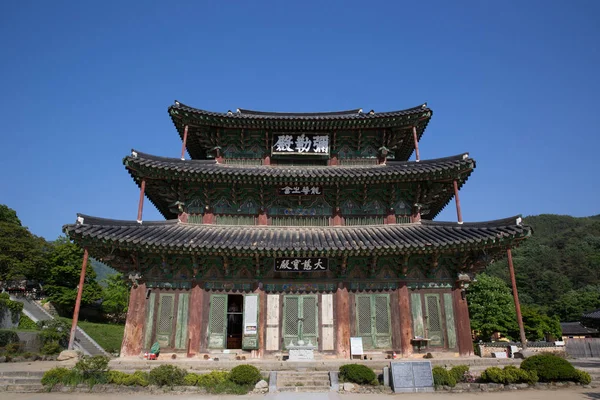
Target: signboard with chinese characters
(300, 264)
(313, 144)
(300, 191)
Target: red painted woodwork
(405, 320)
(333, 160)
(337, 220)
(195, 319)
(390, 218)
(183, 217)
(513, 281)
(458, 211)
(78, 299)
(267, 160)
(208, 217)
(463, 324)
(416, 217)
(141, 203)
(417, 156)
(262, 320)
(185, 134)
(262, 218)
(342, 298)
(133, 337)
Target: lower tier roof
(173, 236)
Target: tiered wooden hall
(298, 226)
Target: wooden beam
(141, 202)
(457, 199)
(513, 281)
(185, 135)
(78, 299)
(416, 139)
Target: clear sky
(515, 83)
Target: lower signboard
(411, 376)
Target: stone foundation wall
(486, 350)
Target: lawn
(109, 336)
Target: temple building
(288, 227)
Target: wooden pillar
(185, 134)
(183, 217)
(390, 218)
(208, 217)
(133, 337)
(457, 199)
(513, 281)
(262, 319)
(463, 323)
(333, 160)
(342, 299)
(219, 156)
(141, 203)
(195, 319)
(262, 218)
(405, 320)
(416, 139)
(336, 219)
(266, 160)
(78, 299)
(415, 216)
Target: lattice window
(291, 316)
(433, 314)
(309, 315)
(382, 322)
(165, 318)
(300, 221)
(355, 221)
(217, 314)
(364, 315)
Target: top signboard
(312, 144)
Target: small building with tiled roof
(286, 228)
(576, 330)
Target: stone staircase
(309, 381)
(21, 381)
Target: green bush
(358, 373)
(54, 376)
(212, 379)
(138, 378)
(582, 377)
(458, 372)
(7, 336)
(190, 379)
(549, 367)
(13, 348)
(167, 375)
(54, 330)
(442, 377)
(229, 387)
(116, 377)
(50, 348)
(245, 375)
(27, 323)
(92, 365)
(509, 375)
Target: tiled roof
(592, 314)
(576, 328)
(393, 171)
(172, 235)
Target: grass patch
(109, 336)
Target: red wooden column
(185, 133)
(463, 323)
(133, 337)
(208, 217)
(390, 218)
(78, 300)
(342, 315)
(141, 203)
(416, 139)
(336, 219)
(405, 320)
(262, 218)
(262, 319)
(513, 281)
(195, 319)
(458, 211)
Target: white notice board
(356, 346)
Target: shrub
(167, 375)
(245, 375)
(138, 378)
(458, 372)
(549, 367)
(493, 374)
(116, 377)
(442, 377)
(229, 387)
(582, 377)
(50, 348)
(7, 336)
(510, 374)
(13, 348)
(54, 376)
(212, 379)
(27, 323)
(358, 373)
(54, 330)
(190, 379)
(90, 366)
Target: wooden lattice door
(217, 324)
(435, 332)
(164, 329)
(300, 316)
(373, 320)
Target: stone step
(25, 388)
(303, 389)
(302, 378)
(19, 381)
(303, 383)
(22, 374)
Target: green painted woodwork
(181, 327)
(164, 323)
(373, 320)
(417, 315)
(450, 325)
(300, 221)
(250, 340)
(300, 287)
(235, 220)
(356, 221)
(435, 331)
(300, 319)
(361, 286)
(217, 324)
(149, 321)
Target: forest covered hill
(558, 268)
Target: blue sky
(515, 83)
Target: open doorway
(235, 312)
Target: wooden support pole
(417, 157)
(457, 199)
(133, 335)
(141, 203)
(196, 310)
(185, 134)
(463, 323)
(342, 299)
(405, 320)
(78, 300)
(513, 281)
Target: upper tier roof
(201, 121)
(172, 235)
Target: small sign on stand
(356, 347)
(411, 376)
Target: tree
(115, 297)
(491, 308)
(22, 255)
(538, 325)
(63, 277)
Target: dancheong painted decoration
(282, 227)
